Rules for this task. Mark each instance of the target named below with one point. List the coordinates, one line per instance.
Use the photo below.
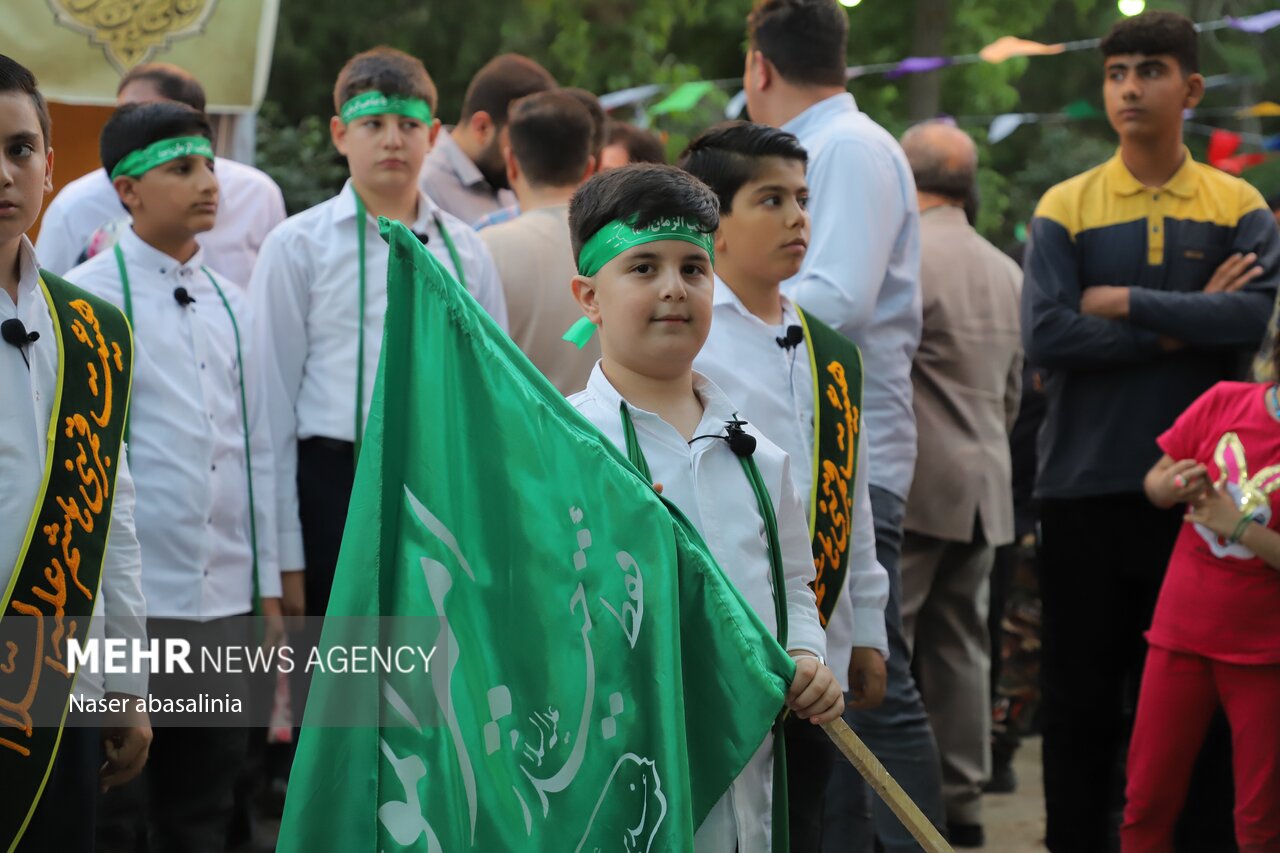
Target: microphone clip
(741, 442)
(183, 298)
(793, 338)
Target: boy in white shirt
(59, 396)
(86, 217)
(796, 379)
(319, 295)
(642, 240)
(201, 456)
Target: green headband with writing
(143, 160)
(376, 104)
(618, 236)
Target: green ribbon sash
(836, 366)
(52, 590)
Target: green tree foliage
(606, 45)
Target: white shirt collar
(28, 270)
(345, 208)
(723, 294)
(142, 255)
(717, 408)
(467, 172)
(818, 114)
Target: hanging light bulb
(849, 4)
(1129, 8)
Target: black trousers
(810, 759)
(64, 818)
(182, 801)
(326, 475)
(1101, 566)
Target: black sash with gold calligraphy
(836, 365)
(52, 590)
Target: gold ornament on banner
(131, 31)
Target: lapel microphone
(423, 238)
(182, 297)
(792, 339)
(15, 334)
(741, 442)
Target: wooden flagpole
(852, 747)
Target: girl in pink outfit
(1215, 636)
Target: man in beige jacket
(966, 378)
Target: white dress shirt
(305, 294)
(250, 205)
(861, 275)
(774, 390)
(706, 481)
(120, 610)
(186, 436)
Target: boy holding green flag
(643, 241)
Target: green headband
(618, 236)
(376, 104)
(143, 160)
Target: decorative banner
(918, 65)
(1007, 47)
(79, 49)
(1259, 23)
(1004, 125)
(1222, 144)
(683, 99)
(1262, 110)
(1082, 109)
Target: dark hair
(728, 155)
(387, 70)
(502, 80)
(551, 138)
(15, 77)
(174, 83)
(1155, 34)
(804, 39)
(1273, 201)
(643, 146)
(644, 190)
(598, 119)
(135, 126)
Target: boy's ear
(592, 166)
(48, 171)
(433, 133)
(338, 133)
(759, 72)
(513, 167)
(1195, 90)
(584, 290)
(126, 189)
(721, 243)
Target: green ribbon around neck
(139, 162)
(620, 235)
(376, 104)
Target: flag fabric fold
(597, 683)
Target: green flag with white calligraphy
(597, 682)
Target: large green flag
(597, 682)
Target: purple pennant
(918, 65)
(1259, 23)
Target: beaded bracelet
(1241, 527)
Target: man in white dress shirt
(85, 217)
(861, 277)
(642, 238)
(318, 314)
(39, 384)
(201, 454)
